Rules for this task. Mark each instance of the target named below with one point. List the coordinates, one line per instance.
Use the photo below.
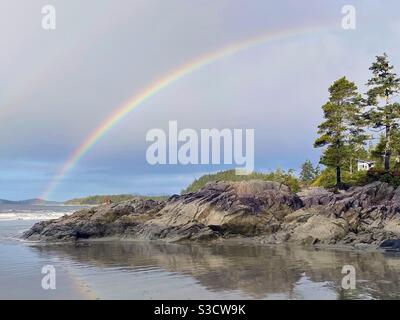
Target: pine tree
(342, 126)
(384, 114)
(308, 173)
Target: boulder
(320, 229)
(315, 196)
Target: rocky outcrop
(315, 196)
(245, 208)
(361, 215)
(98, 222)
(266, 211)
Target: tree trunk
(387, 150)
(351, 166)
(338, 177)
(387, 160)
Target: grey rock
(264, 211)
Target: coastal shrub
(377, 174)
(327, 178)
(279, 175)
(358, 178)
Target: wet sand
(157, 270)
(21, 270)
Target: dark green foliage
(278, 175)
(327, 178)
(391, 177)
(342, 130)
(378, 151)
(308, 173)
(359, 153)
(384, 114)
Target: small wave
(32, 215)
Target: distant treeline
(100, 199)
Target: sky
(57, 86)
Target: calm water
(152, 270)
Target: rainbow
(154, 88)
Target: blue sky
(57, 86)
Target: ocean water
(156, 270)
(34, 212)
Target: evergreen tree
(356, 135)
(384, 114)
(356, 152)
(378, 150)
(317, 171)
(342, 126)
(308, 173)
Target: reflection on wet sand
(255, 271)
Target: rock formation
(264, 211)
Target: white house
(364, 165)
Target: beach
(160, 270)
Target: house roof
(365, 161)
